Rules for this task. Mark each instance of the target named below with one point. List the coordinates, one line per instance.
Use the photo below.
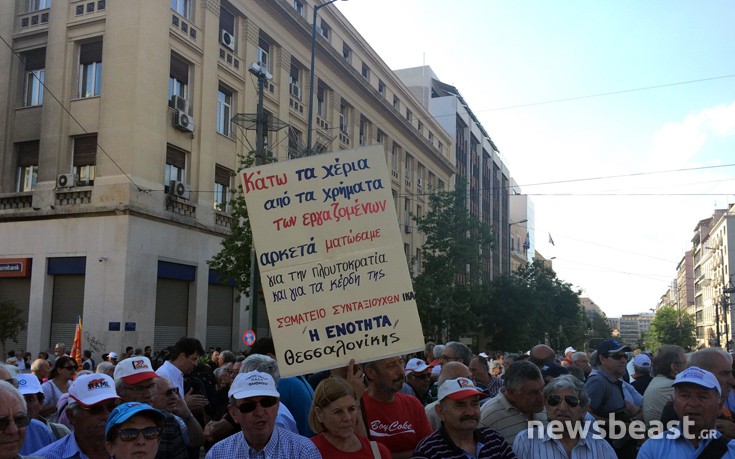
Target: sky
(618, 180)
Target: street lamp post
(311, 71)
(510, 255)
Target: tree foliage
(529, 307)
(671, 326)
(450, 282)
(11, 322)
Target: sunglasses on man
(250, 405)
(149, 433)
(554, 400)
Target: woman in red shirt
(333, 416)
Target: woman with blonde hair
(333, 416)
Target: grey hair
(227, 357)
(461, 350)
(568, 382)
(38, 363)
(578, 355)
(7, 388)
(520, 372)
(262, 363)
(218, 372)
(11, 369)
(664, 357)
(437, 351)
(105, 367)
(703, 358)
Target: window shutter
(90, 53)
(28, 153)
(175, 157)
(35, 59)
(222, 175)
(179, 70)
(85, 150)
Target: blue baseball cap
(125, 411)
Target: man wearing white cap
(567, 360)
(91, 399)
(697, 400)
(641, 372)
(135, 381)
(254, 404)
(38, 434)
(418, 376)
(460, 435)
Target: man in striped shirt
(459, 436)
(520, 401)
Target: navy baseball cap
(611, 346)
(125, 411)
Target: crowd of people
(446, 402)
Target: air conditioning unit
(408, 229)
(263, 57)
(295, 90)
(179, 103)
(178, 189)
(183, 122)
(227, 39)
(66, 180)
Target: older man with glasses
(91, 399)
(566, 403)
(14, 420)
(254, 403)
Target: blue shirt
(65, 448)
(282, 443)
(38, 435)
(665, 445)
(296, 395)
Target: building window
(346, 52)
(364, 128)
(407, 167)
(380, 136)
(431, 138)
(294, 84)
(35, 61)
(227, 24)
(420, 127)
(381, 88)
(263, 50)
(90, 69)
(409, 115)
(365, 71)
(295, 142)
(224, 111)
(298, 5)
(85, 158)
(35, 5)
(321, 101)
(440, 147)
(325, 30)
(178, 83)
(222, 186)
(175, 166)
(396, 103)
(183, 7)
(343, 118)
(395, 154)
(27, 166)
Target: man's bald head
(4, 374)
(541, 355)
(453, 370)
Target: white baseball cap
(642, 360)
(112, 355)
(459, 388)
(253, 384)
(569, 349)
(134, 370)
(698, 376)
(28, 384)
(416, 366)
(93, 388)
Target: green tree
(11, 322)
(452, 265)
(671, 326)
(529, 307)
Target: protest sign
(331, 260)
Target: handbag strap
(374, 447)
(715, 449)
